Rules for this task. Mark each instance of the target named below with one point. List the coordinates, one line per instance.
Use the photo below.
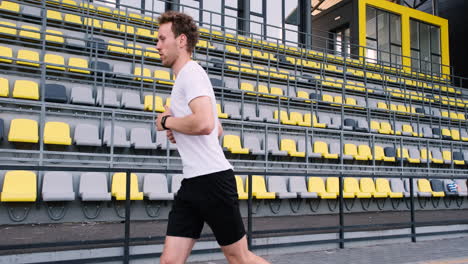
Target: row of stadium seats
(316, 149)
(20, 186)
(120, 15)
(261, 55)
(328, 188)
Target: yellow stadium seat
(157, 101)
(233, 144)
(455, 134)
(205, 44)
(327, 98)
(303, 95)
(74, 19)
(351, 185)
(264, 90)
(119, 187)
(23, 130)
(70, 3)
(374, 125)
(289, 145)
(364, 152)
(351, 101)
(322, 148)
(259, 188)
(54, 36)
(383, 186)
(245, 52)
(152, 53)
(243, 195)
(134, 49)
(352, 150)
(30, 32)
(143, 32)
(446, 132)
(385, 128)
(232, 49)
(316, 184)
(4, 87)
(6, 52)
(382, 105)
(315, 122)
(297, 118)
(408, 129)
(164, 75)
(168, 101)
(111, 26)
(220, 112)
(92, 22)
(19, 186)
(307, 120)
(104, 10)
(277, 91)
(334, 187)
(247, 68)
(10, 6)
(81, 64)
(31, 56)
(54, 15)
(284, 118)
(425, 186)
(57, 133)
(248, 87)
(407, 156)
(232, 65)
(146, 73)
(25, 89)
(7, 28)
(447, 156)
(54, 59)
(116, 46)
(368, 186)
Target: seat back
(367, 185)
(316, 184)
(19, 186)
(297, 184)
(351, 185)
(155, 183)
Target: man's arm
(220, 129)
(200, 122)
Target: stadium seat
(382, 185)
(57, 133)
(436, 156)
(163, 76)
(259, 190)
(322, 148)
(145, 73)
(379, 155)
(334, 187)
(110, 97)
(54, 36)
(82, 95)
(242, 194)
(399, 187)
(131, 100)
(28, 58)
(2, 129)
(157, 101)
(57, 186)
(367, 185)
(55, 93)
(19, 186)
(253, 143)
(298, 185)
(119, 138)
(23, 130)
(455, 134)
(221, 114)
(277, 185)
(350, 151)
(116, 46)
(250, 113)
(6, 52)
(78, 65)
(458, 158)
(289, 145)
(87, 135)
(140, 138)
(390, 154)
(25, 89)
(4, 87)
(425, 186)
(233, 110)
(273, 147)
(351, 185)
(284, 117)
(30, 32)
(364, 153)
(155, 187)
(119, 188)
(73, 19)
(10, 6)
(362, 126)
(407, 130)
(267, 115)
(233, 144)
(93, 187)
(316, 185)
(438, 187)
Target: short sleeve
(197, 85)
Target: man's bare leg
(176, 250)
(238, 253)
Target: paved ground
(445, 251)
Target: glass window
(435, 40)
(110, 3)
(371, 24)
(211, 14)
(291, 30)
(129, 4)
(154, 6)
(371, 52)
(414, 34)
(273, 16)
(190, 7)
(395, 29)
(230, 21)
(256, 26)
(256, 6)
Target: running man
(208, 192)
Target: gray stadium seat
(110, 98)
(253, 143)
(458, 156)
(362, 126)
(140, 138)
(277, 184)
(414, 153)
(176, 182)
(93, 187)
(390, 152)
(462, 187)
(325, 119)
(335, 148)
(233, 110)
(30, 10)
(57, 186)
(273, 147)
(82, 95)
(436, 154)
(123, 70)
(437, 185)
(56, 93)
(463, 133)
(436, 112)
(398, 186)
(250, 113)
(155, 187)
(298, 185)
(215, 82)
(131, 100)
(350, 123)
(336, 122)
(162, 141)
(120, 137)
(266, 115)
(87, 135)
(427, 133)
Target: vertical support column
(127, 218)
(173, 5)
(243, 13)
(413, 227)
(341, 201)
(249, 212)
(304, 13)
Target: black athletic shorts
(210, 198)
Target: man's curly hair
(181, 24)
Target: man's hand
(170, 136)
(160, 116)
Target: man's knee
(170, 259)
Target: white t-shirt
(200, 154)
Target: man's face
(168, 45)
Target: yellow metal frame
(406, 14)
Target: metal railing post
(127, 218)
